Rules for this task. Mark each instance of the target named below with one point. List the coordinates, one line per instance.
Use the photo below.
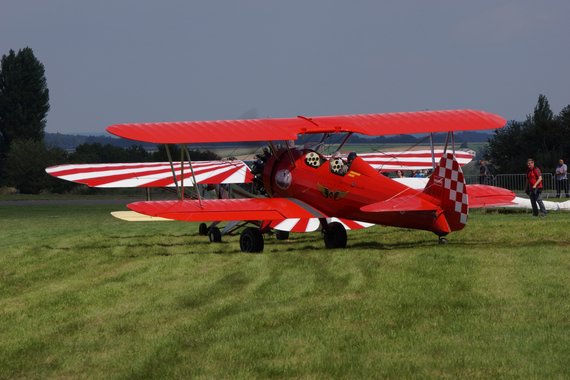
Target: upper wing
(228, 209)
(289, 128)
(152, 174)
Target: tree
(542, 111)
(198, 155)
(563, 120)
(25, 166)
(24, 98)
(99, 153)
(541, 136)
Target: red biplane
(301, 183)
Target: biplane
(230, 179)
(300, 185)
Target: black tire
(203, 229)
(335, 235)
(281, 235)
(215, 235)
(251, 240)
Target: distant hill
(70, 142)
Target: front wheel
(215, 235)
(251, 240)
(335, 235)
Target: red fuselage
(299, 174)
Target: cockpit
(339, 164)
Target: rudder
(447, 186)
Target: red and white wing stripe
(296, 224)
(313, 224)
(153, 174)
(410, 160)
(350, 224)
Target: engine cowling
(258, 169)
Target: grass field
(85, 295)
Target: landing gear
(251, 240)
(281, 235)
(335, 235)
(215, 235)
(442, 240)
(203, 229)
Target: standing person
(483, 173)
(561, 178)
(534, 188)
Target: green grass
(85, 295)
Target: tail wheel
(335, 235)
(251, 240)
(215, 235)
(282, 235)
(203, 229)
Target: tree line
(24, 104)
(543, 136)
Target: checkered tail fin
(447, 186)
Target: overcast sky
(132, 61)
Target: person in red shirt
(534, 188)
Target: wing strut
(289, 152)
(172, 168)
(193, 176)
(182, 196)
(446, 143)
(432, 151)
(450, 136)
(344, 141)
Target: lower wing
(228, 209)
(489, 196)
(153, 174)
(131, 216)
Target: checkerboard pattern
(454, 185)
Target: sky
(120, 61)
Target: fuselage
(340, 188)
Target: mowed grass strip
(85, 295)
